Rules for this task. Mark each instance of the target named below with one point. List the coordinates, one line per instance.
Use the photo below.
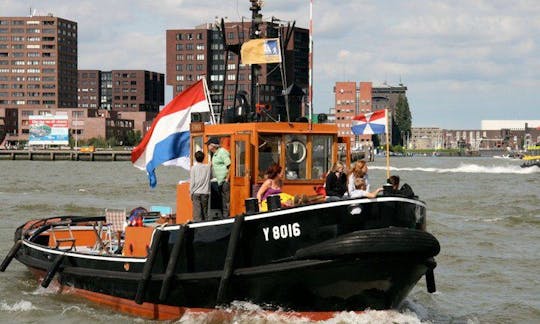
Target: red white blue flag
(371, 123)
(167, 141)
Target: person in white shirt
(359, 171)
(360, 190)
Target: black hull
(347, 255)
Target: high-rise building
(121, 90)
(352, 99)
(199, 52)
(386, 96)
(38, 66)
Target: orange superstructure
(306, 152)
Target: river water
(485, 213)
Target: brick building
(352, 99)
(38, 66)
(121, 90)
(199, 52)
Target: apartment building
(38, 67)
(121, 90)
(199, 52)
(352, 99)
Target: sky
(462, 61)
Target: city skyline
(462, 62)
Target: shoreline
(63, 155)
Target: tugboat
(310, 256)
(532, 157)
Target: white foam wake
(243, 312)
(20, 306)
(470, 168)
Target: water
(485, 213)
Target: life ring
(296, 151)
(382, 240)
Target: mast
(256, 19)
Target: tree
(133, 138)
(403, 118)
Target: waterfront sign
(49, 130)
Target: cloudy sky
(462, 60)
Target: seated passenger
(336, 182)
(360, 190)
(272, 184)
(405, 190)
(394, 181)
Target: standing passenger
(199, 187)
(221, 161)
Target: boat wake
(21, 306)
(244, 312)
(469, 168)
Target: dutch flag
(167, 140)
(371, 123)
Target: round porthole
(296, 151)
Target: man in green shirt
(221, 161)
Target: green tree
(133, 138)
(98, 142)
(403, 118)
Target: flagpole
(387, 146)
(310, 63)
(209, 99)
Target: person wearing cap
(221, 161)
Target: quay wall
(64, 155)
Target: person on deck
(272, 184)
(336, 182)
(405, 189)
(394, 181)
(221, 161)
(360, 190)
(199, 187)
(359, 171)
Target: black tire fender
(395, 240)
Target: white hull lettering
(282, 231)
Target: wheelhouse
(305, 151)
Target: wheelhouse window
(269, 152)
(321, 156)
(305, 157)
(296, 154)
(197, 144)
(240, 157)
